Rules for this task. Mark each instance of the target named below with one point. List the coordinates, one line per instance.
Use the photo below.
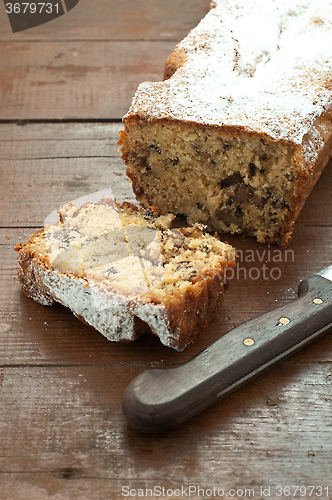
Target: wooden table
(64, 87)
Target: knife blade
(159, 399)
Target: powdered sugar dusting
(263, 66)
(115, 320)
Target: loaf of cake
(125, 271)
(240, 130)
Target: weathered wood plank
(62, 431)
(69, 423)
(63, 131)
(75, 80)
(47, 184)
(58, 140)
(31, 153)
(113, 20)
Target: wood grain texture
(62, 431)
(75, 80)
(82, 65)
(68, 423)
(110, 20)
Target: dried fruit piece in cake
(240, 130)
(124, 271)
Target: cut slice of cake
(125, 271)
(241, 129)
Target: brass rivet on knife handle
(317, 301)
(248, 341)
(284, 321)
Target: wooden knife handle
(160, 399)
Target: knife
(159, 399)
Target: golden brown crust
(197, 310)
(193, 313)
(309, 177)
(174, 61)
(29, 265)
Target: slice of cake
(241, 129)
(125, 271)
